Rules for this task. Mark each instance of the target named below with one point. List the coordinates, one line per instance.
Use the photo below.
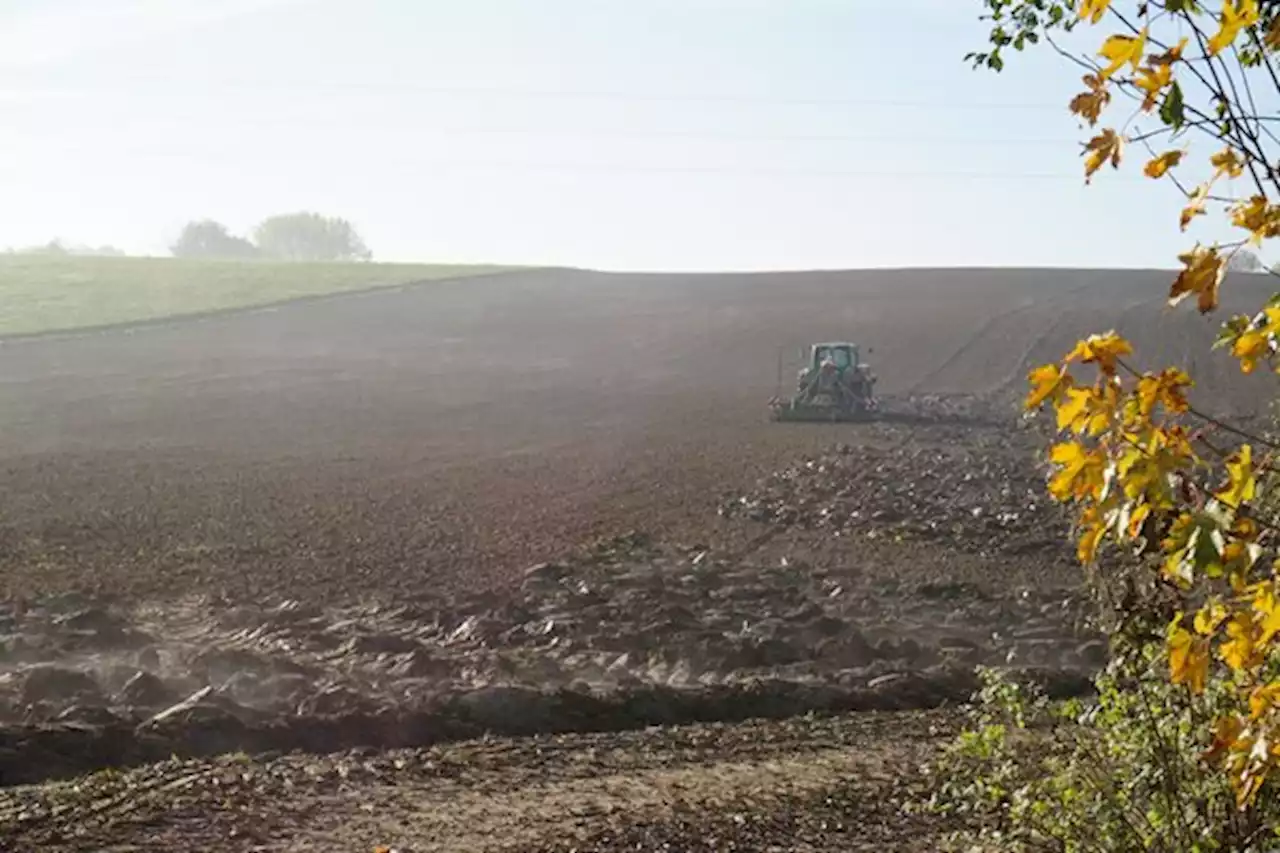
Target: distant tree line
(58, 247)
(301, 236)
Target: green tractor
(835, 385)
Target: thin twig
(1235, 108)
(1220, 92)
(1261, 125)
(1266, 59)
(1236, 431)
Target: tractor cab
(842, 355)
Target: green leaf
(1171, 111)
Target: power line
(737, 136)
(770, 171)
(725, 171)
(131, 89)
(897, 139)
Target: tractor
(835, 385)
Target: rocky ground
(625, 635)
(958, 487)
(850, 583)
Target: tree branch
(1220, 92)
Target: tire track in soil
(1017, 376)
(982, 335)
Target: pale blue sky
(621, 134)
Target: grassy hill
(40, 293)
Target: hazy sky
(622, 134)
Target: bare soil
(816, 784)
(546, 506)
(450, 434)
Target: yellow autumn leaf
(1092, 528)
(1071, 458)
(1101, 413)
(1250, 348)
(1087, 411)
(1188, 659)
(1139, 472)
(1263, 700)
(1209, 617)
(1267, 606)
(1107, 145)
(1195, 205)
(1257, 216)
(1165, 388)
(1121, 49)
(1235, 17)
(1137, 518)
(1158, 166)
(1093, 10)
(1202, 273)
(1074, 408)
(1080, 471)
(1242, 484)
(1240, 651)
(1090, 539)
(1104, 350)
(1227, 162)
(1048, 382)
(1152, 81)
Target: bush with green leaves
(1122, 770)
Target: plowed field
(310, 527)
(448, 434)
